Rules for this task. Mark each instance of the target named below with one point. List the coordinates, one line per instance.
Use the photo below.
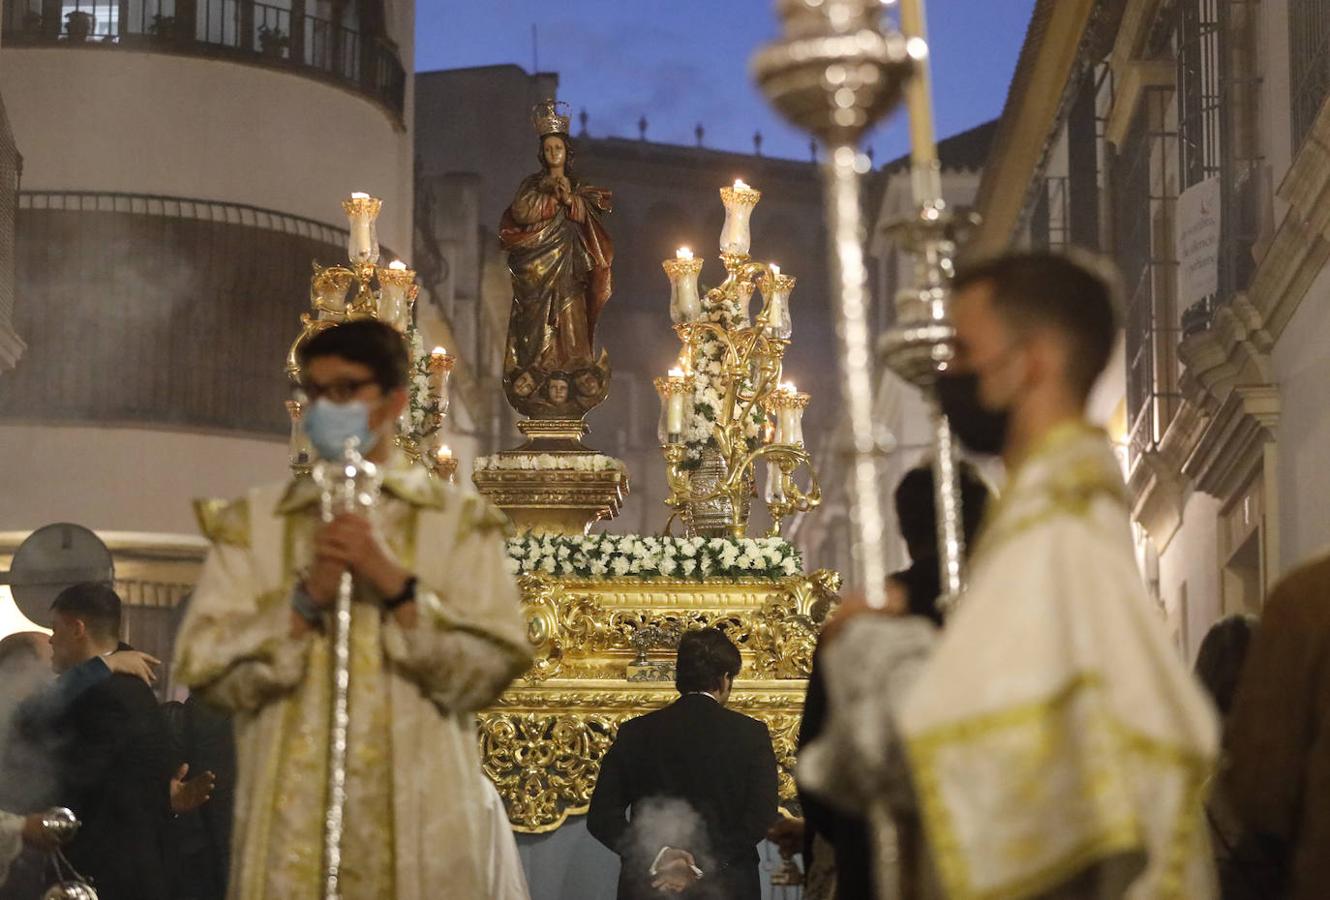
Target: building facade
(183, 163)
(1186, 142)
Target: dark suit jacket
(115, 768)
(696, 776)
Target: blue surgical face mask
(330, 424)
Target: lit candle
(685, 304)
(786, 428)
(395, 282)
(674, 414)
(444, 464)
(361, 212)
(919, 101)
(739, 201)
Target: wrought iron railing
(1309, 62)
(246, 30)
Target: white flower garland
(545, 462)
(708, 383)
(635, 556)
(421, 408)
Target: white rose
(689, 566)
(597, 568)
(620, 565)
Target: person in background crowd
(686, 793)
(912, 591)
(1278, 773)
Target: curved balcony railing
(284, 36)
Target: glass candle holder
(397, 291)
(440, 370)
(776, 290)
(685, 304)
(739, 200)
(362, 211)
(673, 391)
(775, 490)
(301, 453)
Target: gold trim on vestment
(1113, 838)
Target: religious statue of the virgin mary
(559, 255)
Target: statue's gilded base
(604, 653)
(559, 492)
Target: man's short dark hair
(705, 657)
(96, 604)
(1222, 654)
(371, 343)
(916, 507)
(1075, 295)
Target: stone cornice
(1232, 448)
(1158, 485)
(1301, 245)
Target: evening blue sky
(681, 62)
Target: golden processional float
(605, 611)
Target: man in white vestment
(436, 633)
(1055, 744)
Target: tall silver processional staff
(837, 70)
(348, 485)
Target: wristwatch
(405, 595)
(304, 605)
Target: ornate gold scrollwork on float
(543, 741)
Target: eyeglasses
(338, 391)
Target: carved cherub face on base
(588, 383)
(556, 389)
(524, 385)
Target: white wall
(124, 479)
(1302, 371)
(1190, 565)
(123, 121)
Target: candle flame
(789, 388)
(397, 265)
(444, 452)
(676, 372)
(683, 253)
(740, 186)
(438, 351)
(358, 195)
(917, 48)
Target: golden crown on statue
(546, 118)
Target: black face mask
(978, 429)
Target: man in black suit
(114, 762)
(697, 779)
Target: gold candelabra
(363, 289)
(730, 367)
